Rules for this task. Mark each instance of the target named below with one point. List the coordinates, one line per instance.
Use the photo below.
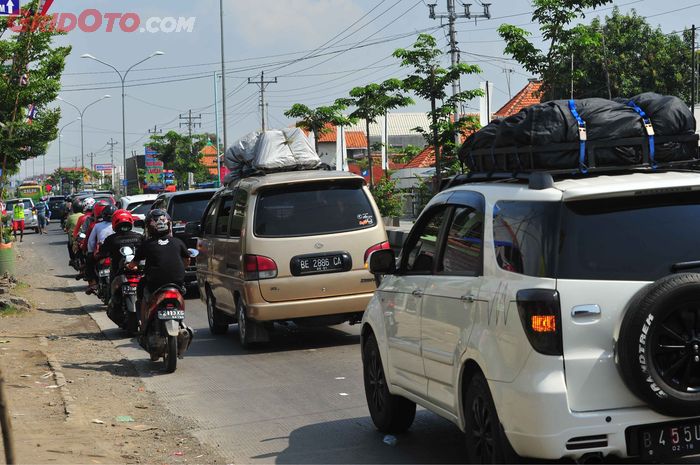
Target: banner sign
(103, 167)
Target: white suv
(551, 319)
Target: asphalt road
(297, 399)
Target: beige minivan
(290, 246)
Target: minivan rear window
(313, 209)
(634, 238)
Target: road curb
(69, 406)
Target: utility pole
(508, 72)
(262, 83)
(111, 144)
(192, 121)
(692, 82)
(452, 17)
(156, 130)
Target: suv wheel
(243, 333)
(659, 345)
(390, 413)
(486, 440)
(217, 324)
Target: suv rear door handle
(467, 298)
(417, 293)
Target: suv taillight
(259, 267)
(380, 246)
(540, 314)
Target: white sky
(260, 34)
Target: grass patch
(10, 310)
(21, 285)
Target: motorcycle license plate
(128, 290)
(104, 273)
(672, 439)
(171, 314)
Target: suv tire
(486, 440)
(659, 345)
(217, 322)
(390, 413)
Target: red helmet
(97, 209)
(122, 220)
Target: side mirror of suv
(193, 229)
(382, 262)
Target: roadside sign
(125, 182)
(103, 167)
(149, 151)
(9, 7)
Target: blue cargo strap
(581, 137)
(649, 130)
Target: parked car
(30, 218)
(558, 320)
(287, 246)
(57, 205)
(184, 207)
(138, 205)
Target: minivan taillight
(380, 246)
(259, 267)
(540, 314)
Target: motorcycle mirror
(193, 252)
(127, 251)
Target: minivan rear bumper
(268, 311)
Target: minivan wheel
(243, 334)
(390, 413)
(214, 317)
(486, 440)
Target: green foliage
(33, 53)
(623, 48)
(431, 81)
(315, 119)
(71, 179)
(406, 154)
(373, 101)
(181, 154)
(388, 197)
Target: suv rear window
(311, 209)
(189, 207)
(635, 238)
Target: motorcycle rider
(69, 225)
(165, 258)
(122, 224)
(88, 246)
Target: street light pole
(81, 118)
(122, 77)
(60, 182)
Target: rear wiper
(685, 265)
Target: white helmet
(88, 203)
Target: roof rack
(517, 163)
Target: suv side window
(525, 236)
(421, 252)
(210, 218)
(241, 199)
(464, 246)
(224, 214)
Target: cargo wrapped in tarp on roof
(273, 150)
(563, 134)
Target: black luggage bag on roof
(648, 129)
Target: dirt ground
(69, 388)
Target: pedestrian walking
(18, 220)
(41, 215)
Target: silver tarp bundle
(285, 149)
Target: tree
(30, 73)
(316, 119)
(406, 154)
(181, 154)
(72, 178)
(430, 81)
(373, 101)
(619, 57)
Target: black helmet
(107, 213)
(158, 223)
(77, 206)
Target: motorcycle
(78, 262)
(103, 287)
(164, 333)
(122, 308)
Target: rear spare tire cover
(659, 345)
